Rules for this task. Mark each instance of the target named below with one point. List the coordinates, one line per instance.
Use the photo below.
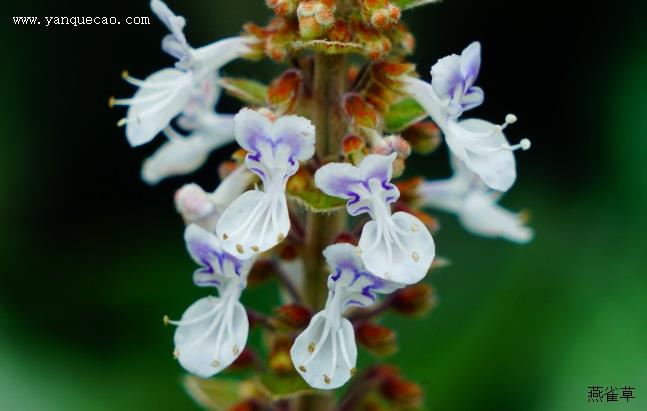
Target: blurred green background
(92, 258)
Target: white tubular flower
(325, 353)
(396, 247)
(166, 93)
(475, 204)
(213, 330)
(185, 154)
(480, 144)
(258, 220)
(204, 209)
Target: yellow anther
(414, 227)
(239, 248)
(215, 364)
(311, 347)
(255, 248)
(415, 256)
(302, 368)
(165, 320)
(326, 379)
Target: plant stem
(328, 86)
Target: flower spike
(480, 144)
(475, 204)
(397, 247)
(258, 219)
(213, 330)
(325, 353)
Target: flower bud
(375, 44)
(247, 405)
(260, 272)
(283, 92)
(316, 17)
(193, 203)
(416, 299)
(378, 339)
(279, 360)
(246, 359)
(340, 32)
(424, 137)
(401, 392)
(292, 316)
(362, 114)
(282, 7)
(381, 14)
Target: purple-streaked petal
(471, 63)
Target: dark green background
(92, 258)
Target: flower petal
(481, 145)
(218, 266)
(210, 58)
(177, 157)
(163, 96)
(213, 335)
(350, 276)
(424, 94)
(358, 184)
(470, 63)
(399, 250)
(274, 148)
(482, 216)
(325, 353)
(255, 222)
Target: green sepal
(315, 201)
(328, 47)
(403, 114)
(278, 387)
(409, 4)
(249, 91)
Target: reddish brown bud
(316, 17)
(283, 92)
(260, 272)
(282, 7)
(287, 251)
(361, 113)
(279, 359)
(424, 137)
(401, 392)
(378, 339)
(247, 405)
(352, 144)
(346, 237)
(375, 44)
(409, 189)
(246, 359)
(293, 316)
(416, 299)
(340, 32)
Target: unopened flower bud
(340, 32)
(416, 299)
(316, 17)
(193, 203)
(247, 405)
(424, 137)
(361, 113)
(282, 7)
(279, 359)
(283, 92)
(260, 272)
(245, 360)
(401, 392)
(292, 316)
(386, 17)
(378, 339)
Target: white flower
(480, 144)
(396, 247)
(258, 219)
(197, 206)
(475, 204)
(166, 93)
(325, 353)
(213, 330)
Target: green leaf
(279, 387)
(213, 394)
(409, 4)
(403, 114)
(316, 201)
(249, 91)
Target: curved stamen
(146, 83)
(333, 365)
(342, 344)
